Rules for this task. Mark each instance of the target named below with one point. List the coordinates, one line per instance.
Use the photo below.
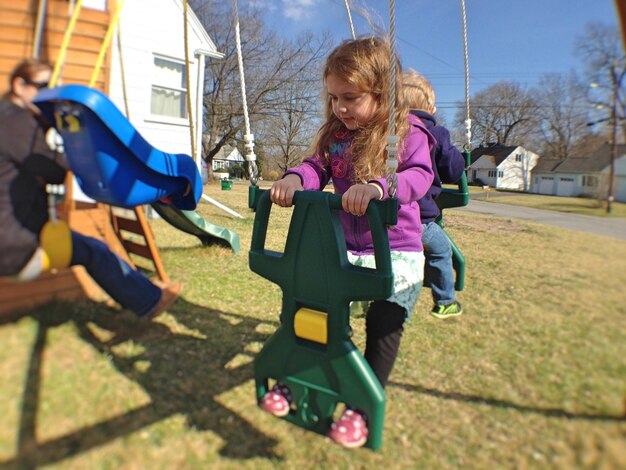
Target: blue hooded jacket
(447, 162)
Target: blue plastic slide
(112, 162)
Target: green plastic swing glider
(311, 351)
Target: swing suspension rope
(347, 3)
(248, 137)
(392, 138)
(188, 80)
(468, 120)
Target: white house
(581, 176)
(502, 167)
(226, 158)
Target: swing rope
(188, 80)
(248, 137)
(392, 138)
(468, 121)
(347, 3)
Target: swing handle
(380, 215)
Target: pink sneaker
(351, 429)
(277, 401)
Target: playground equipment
(311, 351)
(113, 164)
(194, 224)
(98, 220)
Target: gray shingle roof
(595, 162)
(499, 152)
(547, 164)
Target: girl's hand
(356, 199)
(282, 191)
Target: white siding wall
(482, 167)
(516, 174)
(146, 30)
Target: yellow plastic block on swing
(56, 241)
(312, 325)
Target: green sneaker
(445, 311)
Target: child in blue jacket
(448, 165)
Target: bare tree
(271, 65)
(504, 113)
(600, 49)
(563, 115)
(290, 132)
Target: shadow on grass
(182, 372)
(548, 412)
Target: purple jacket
(414, 177)
(447, 162)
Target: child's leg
(383, 326)
(439, 269)
(383, 329)
(440, 272)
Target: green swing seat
(311, 351)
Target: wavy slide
(194, 224)
(112, 162)
(115, 165)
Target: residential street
(610, 227)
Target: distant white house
(502, 167)
(226, 158)
(581, 176)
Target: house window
(518, 158)
(501, 174)
(491, 174)
(590, 181)
(169, 92)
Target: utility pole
(611, 192)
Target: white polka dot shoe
(277, 401)
(350, 430)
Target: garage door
(565, 187)
(546, 185)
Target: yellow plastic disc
(56, 241)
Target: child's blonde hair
(366, 64)
(417, 92)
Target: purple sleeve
(415, 174)
(313, 173)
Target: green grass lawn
(532, 376)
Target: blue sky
(517, 40)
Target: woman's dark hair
(26, 70)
